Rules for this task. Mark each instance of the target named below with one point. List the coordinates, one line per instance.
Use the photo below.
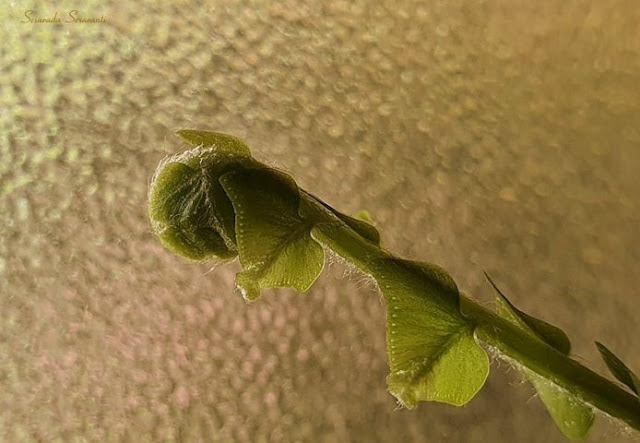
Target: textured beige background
(501, 135)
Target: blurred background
(497, 135)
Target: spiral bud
(189, 210)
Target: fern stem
(556, 367)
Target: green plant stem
(545, 361)
(513, 342)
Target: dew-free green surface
(573, 417)
(494, 135)
(274, 242)
(432, 353)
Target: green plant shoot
(215, 201)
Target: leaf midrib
(454, 338)
(270, 258)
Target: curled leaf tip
(189, 211)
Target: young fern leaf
(433, 355)
(274, 242)
(619, 369)
(572, 416)
(546, 332)
(216, 201)
(188, 209)
(444, 364)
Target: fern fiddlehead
(215, 201)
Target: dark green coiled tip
(189, 210)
